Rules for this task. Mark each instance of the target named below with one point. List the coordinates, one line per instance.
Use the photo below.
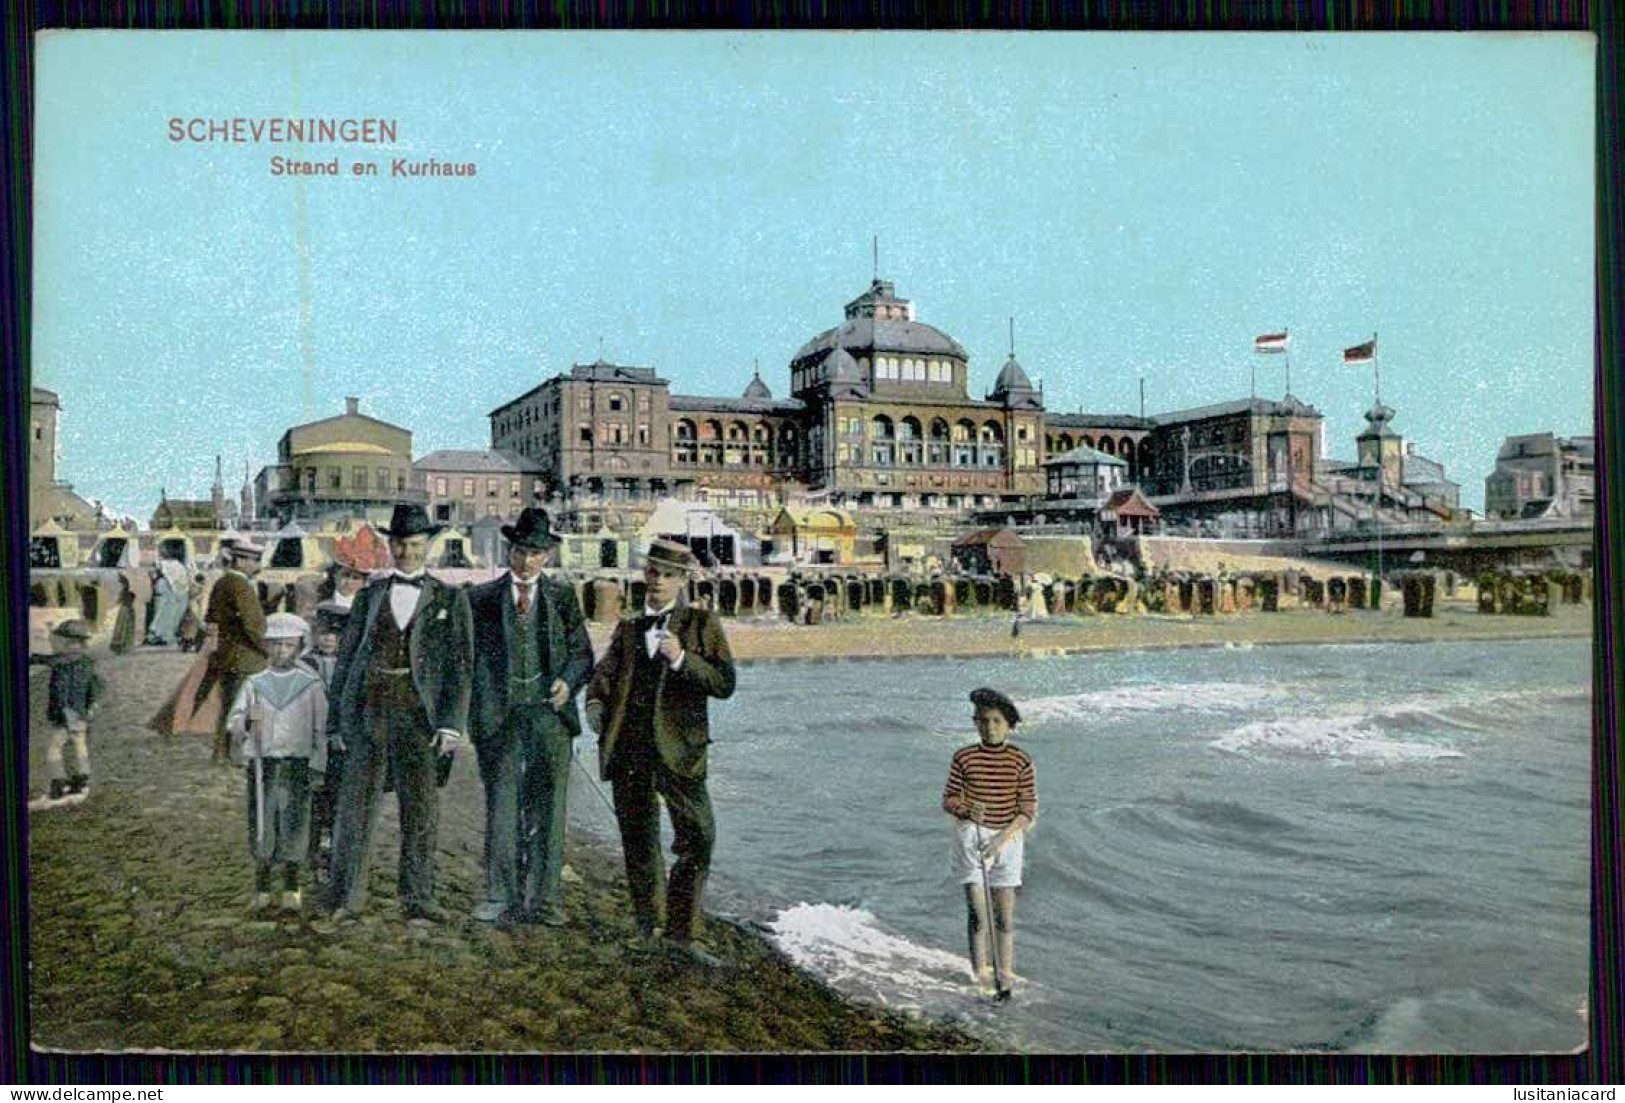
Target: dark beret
(993, 699)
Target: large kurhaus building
(880, 415)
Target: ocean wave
(1339, 737)
(1417, 728)
(847, 948)
(1200, 697)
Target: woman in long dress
(124, 622)
(170, 591)
(183, 713)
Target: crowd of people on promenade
(399, 670)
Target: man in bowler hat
(531, 656)
(400, 698)
(648, 701)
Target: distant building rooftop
(494, 461)
(1288, 407)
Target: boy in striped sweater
(992, 793)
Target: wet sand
(141, 937)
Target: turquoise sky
(1139, 203)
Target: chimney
(352, 406)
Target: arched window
(1108, 446)
(1125, 449)
(687, 448)
(1087, 442)
(964, 443)
(711, 441)
(937, 451)
(882, 447)
(992, 444)
(735, 450)
(1066, 442)
(912, 449)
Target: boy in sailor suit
(278, 726)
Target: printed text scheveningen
(242, 129)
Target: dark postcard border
(1604, 1062)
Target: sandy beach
(141, 938)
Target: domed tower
(893, 354)
(756, 390)
(1012, 388)
(1380, 447)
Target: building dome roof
(757, 391)
(843, 369)
(868, 336)
(1012, 377)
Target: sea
(1325, 849)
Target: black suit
(392, 690)
(523, 743)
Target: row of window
(1056, 443)
(907, 369)
(493, 487)
(688, 452)
(891, 500)
(737, 431)
(381, 480)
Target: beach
(141, 937)
(859, 637)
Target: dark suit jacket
(234, 608)
(569, 650)
(682, 724)
(440, 641)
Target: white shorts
(1003, 869)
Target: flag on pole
(1361, 354)
(1270, 342)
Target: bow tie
(653, 620)
(403, 580)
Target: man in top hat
(236, 622)
(400, 697)
(648, 701)
(531, 656)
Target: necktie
(524, 600)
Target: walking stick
(1000, 992)
(259, 789)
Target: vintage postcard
(811, 543)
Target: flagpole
(1377, 377)
(1288, 332)
(1375, 367)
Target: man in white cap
(237, 625)
(278, 723)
